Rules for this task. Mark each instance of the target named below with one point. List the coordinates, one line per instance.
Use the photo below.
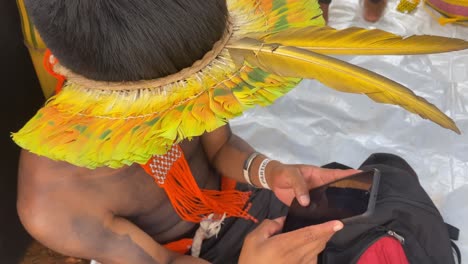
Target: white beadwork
(161, 164)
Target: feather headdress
(268, 47)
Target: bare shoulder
(35, 167)
(51, 190)
(51, 202)
(41, 180)
(38, 176)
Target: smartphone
(346, 199)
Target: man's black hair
(128, 40)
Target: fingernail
(304, 200)
(338, 227)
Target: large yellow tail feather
(337, 74)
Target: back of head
(128, 40)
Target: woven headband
(160, 82)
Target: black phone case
(297, 215)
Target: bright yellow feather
(359, 41)
(339, 75)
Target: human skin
(372, 9)
(122, 216)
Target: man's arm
(107, 239)
(228, 152)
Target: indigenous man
(133, 161)
(120, 215)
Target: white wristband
(261, 174)
(246, 169)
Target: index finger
(317, 176)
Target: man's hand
(228, 152)
(289, 181)
(299, 246)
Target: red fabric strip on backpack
(386, 250)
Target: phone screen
(346, 198)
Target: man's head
(128, 40)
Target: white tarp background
(316, 125)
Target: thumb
(326, 230)
(300, 189)
(313, 234)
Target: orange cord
(180, 246)
(191, 203)
(49, 67)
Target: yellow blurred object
(407, 6)
(354, 40)
(443, 11)
(36, 49)
(448, 11)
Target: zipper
(397, 236)
(372, 236)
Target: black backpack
(404, 211)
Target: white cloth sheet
(316, 125)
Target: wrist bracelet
(261, 174)
(247, 164)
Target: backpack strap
(454, 233)
(456, 251)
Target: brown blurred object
(360, 183)
(324, 7)
(38, 254)
(374, 9)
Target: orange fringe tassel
(191, 203)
